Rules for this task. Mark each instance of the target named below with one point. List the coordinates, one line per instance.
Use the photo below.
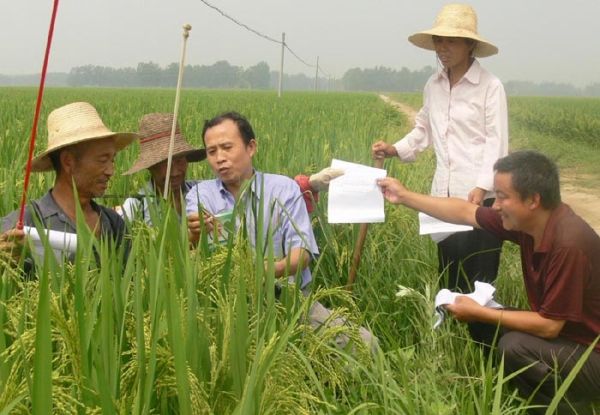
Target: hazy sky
(539, 40)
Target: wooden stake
(360, 242)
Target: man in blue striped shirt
(230, 147)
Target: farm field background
(199, 332)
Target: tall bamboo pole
(186, 34)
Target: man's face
(228, 155)
(515, 212)
(179, 167)
(92, 165)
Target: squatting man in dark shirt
(560, 255)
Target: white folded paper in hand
(429, 225)
(62, 243)
(483, 295)
(355, 197)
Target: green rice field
(199, 331)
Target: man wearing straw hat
(464, 118)
(560, 255)
(155, 135)
(81, 151)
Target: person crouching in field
(81, 151)
(230, 147)
(560, 255)
(155, 136)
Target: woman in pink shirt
(464, 118)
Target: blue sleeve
(296, 225)
(192, 199)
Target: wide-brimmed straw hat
(155, 137)
(455, 20)
(72, 124)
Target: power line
(297, 57)
(324, 73)
(256, 32)
(304, 62)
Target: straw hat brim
(42, 162)
(424, 40)
(148, 159)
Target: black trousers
(553, 360)
(465, 257)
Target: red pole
(37, 116)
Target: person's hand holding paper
(319, 182)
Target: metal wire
(323, 72)
(256, 32)
(298, 57)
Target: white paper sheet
(62, 243)
(355, 197)
(483, 295)
(429, 225)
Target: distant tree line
(525, 88)
(222, 74)
(381, 78)
(52, 79)
(149, 74)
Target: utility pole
(317, 75)
(281, 66)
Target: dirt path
(584, 201)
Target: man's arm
(295, 232)
(295, 261)
(466, 309)
(447, 209)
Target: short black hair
(532, 172)
(242, 123)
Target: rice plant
(174, 330)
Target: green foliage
(180, 331)
(570, 119)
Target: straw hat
(155, 137)
(455, 20)
(72, 124)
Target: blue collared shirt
(284, 212)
